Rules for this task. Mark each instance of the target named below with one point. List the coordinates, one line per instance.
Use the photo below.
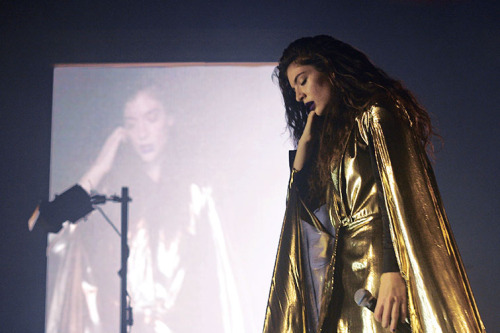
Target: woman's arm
(427, 254)
(304, 146)
(391, 304)
(91, 179)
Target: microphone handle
(400, 328)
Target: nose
(142, 131)
(299, 95)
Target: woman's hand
(391, 303)
(108, 151)
(104, 161)
(308, 136)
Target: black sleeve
(301, 177)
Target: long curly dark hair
(358, 83)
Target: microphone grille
(362, 297)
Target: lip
(146, 148)
(310, 106)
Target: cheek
(327, 90)
(159, 131)
(131, 136)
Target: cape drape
(439, 295)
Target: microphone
(363, 297)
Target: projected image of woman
(363, 208)
(179, 278)
(146, 128)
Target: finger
(394, 316)
(114, 138)
(386, 316)
(378, 312)
(310, 128)
(404, 313)
(311, 114)
(122, 134)
(310, 118)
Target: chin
(148, 159)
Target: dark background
(446, 52)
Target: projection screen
(203, 150)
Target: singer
(363, 208)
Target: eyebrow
(297, 76)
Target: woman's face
(146, 125)
(313, 88)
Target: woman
(170, 282)
(147, 125)
(363, 208)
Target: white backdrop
(204, 151)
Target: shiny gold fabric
(315, 277)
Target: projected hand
(108, 151)
(104, 161)
(311, 132)
(391, 303)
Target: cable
(108, 220)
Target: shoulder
(385, 116)
(382, 119)
(380, 113)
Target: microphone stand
(124, 320)
(125, 311)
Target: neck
(153, 170)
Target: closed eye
(153, 115)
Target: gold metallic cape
(303, 296)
